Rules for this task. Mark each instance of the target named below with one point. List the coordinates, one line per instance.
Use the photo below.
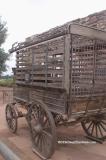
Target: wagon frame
(60, 76)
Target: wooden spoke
(103, 127)
(104, 122)
(90, 125)
(100, 130)
(95, 128)
(92, 129)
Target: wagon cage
(60, 76)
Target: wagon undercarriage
(60, 79)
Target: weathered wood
(34, 72)
(22, 77)
(40, 84)
(67, 63)
(91, 33)
(61, 31)
(62, 65)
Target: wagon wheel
(42, 129)
(95, 127)
(11, 118)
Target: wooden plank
(50, 61)
(41, 66)
(59, 72)
(48, 78)
(22, 77)
(50, 71)
(53, 85)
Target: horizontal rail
(86, 31)
(89, 112)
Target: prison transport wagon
(60, 77)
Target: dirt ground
(21, 144)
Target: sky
(27, 17)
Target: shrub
(6, 82)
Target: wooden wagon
(60, 78)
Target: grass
(6, 82)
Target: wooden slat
(22, 77)
(50, 71)
(53, 85)
(55, 51)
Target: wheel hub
(38, 128)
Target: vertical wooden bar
(67, 63)
(94, 62)
(46, 65)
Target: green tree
(3, 55)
